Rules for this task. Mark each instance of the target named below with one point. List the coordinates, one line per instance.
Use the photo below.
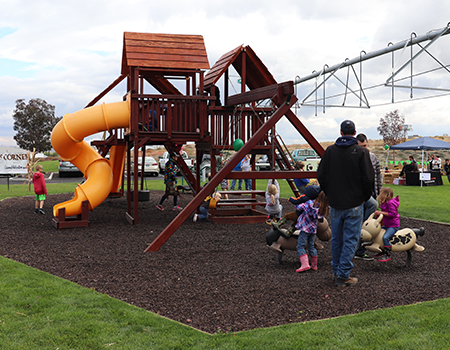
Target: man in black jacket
(346, 176)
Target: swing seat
(143, 195)
(184, 189)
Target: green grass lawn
(41, 311)
(50, 166)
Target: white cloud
(68, 52)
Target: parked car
(263, 164)
(163, 160)
(288, 157)
(302, 154)
(150, 166)
(206, 161)
(311, 164)
(205, 166)
(68, 169)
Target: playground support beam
(222, 174)
(108, 89)
(271, 174)
(301, 128)
(263, 93)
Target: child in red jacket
(40, 189)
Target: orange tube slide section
(68, 141)
(117, 161)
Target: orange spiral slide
(68, 141)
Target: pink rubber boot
(314, 263)
(305, 263)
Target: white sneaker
(195, 218)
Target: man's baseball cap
(348, 127)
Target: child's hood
(395, 202)
(312, 191)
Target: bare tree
(391, 128)
(34, 122)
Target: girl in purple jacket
(391, 220)
(311, 212)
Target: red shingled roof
(168, 51)
(257, 73)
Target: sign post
(13, 161)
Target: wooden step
(241, 192)
(242, 201)
(237, 216)
(231, 203)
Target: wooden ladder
(240, 209)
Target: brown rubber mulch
(214, 277)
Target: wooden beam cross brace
(215, 181)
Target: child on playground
(391, 220)
(209, 203)
(301, 183)
(312, 212)
(170, 180)
(273, 206)
(224, 186)
(311, 192)
(40, 189)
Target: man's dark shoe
(350, 281)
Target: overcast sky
(67, 52)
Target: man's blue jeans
(346, 230)
(369, 208)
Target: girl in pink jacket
(391, 220)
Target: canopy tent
(422, 143)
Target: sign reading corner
(13, 161)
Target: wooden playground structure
(191, 110)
